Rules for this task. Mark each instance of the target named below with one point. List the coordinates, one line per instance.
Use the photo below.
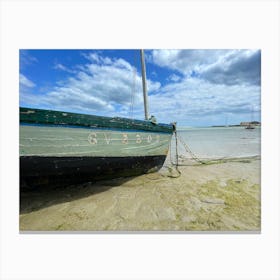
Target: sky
(196, 87)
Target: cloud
(238, 67)
(24, 82)
(59, 66)
(215, 83)
(202, 87)
(26, 59)
(95, 57)
(26, 87)
(174, 78)
(196, 101)
(102, 86)
(185, 61)
(216, 66)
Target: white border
(119, 24)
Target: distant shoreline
(242, 124)
(232, 125)
(214, 126)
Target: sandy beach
(214, 197)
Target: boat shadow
(36, 198)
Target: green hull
(64, 145)
(37, 116)
(77, 141)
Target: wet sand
(214, 197)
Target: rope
(212, 161)
(175, 165)
(177, 159)
(194, 157)
(189, 151)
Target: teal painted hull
(76, 141)
(58, 146)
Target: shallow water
(219, 142)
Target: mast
(144, 83)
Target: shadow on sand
(38, 197)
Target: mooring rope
(189, 150)
(210, 161)
(172, 165)
(176, 156)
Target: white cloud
(185, 61)
(199, 92)
(104, 86)
(194, 101)
(26, 59)
(24, 82)
(235, 67)
(95, 57)
(217, 66)
(59, 66)
(174, 78)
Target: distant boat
(250, 126)
(62, 148)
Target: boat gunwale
(91, 127)
(62, 118)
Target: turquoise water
(220, 142)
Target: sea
(217, 142)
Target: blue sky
(192, 87)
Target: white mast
(146, 106)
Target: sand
(215, 197)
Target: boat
(62, 148)
(250, 126)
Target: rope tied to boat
(176, 164)
(188, 150)
(179, 139)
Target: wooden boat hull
(55, 150)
